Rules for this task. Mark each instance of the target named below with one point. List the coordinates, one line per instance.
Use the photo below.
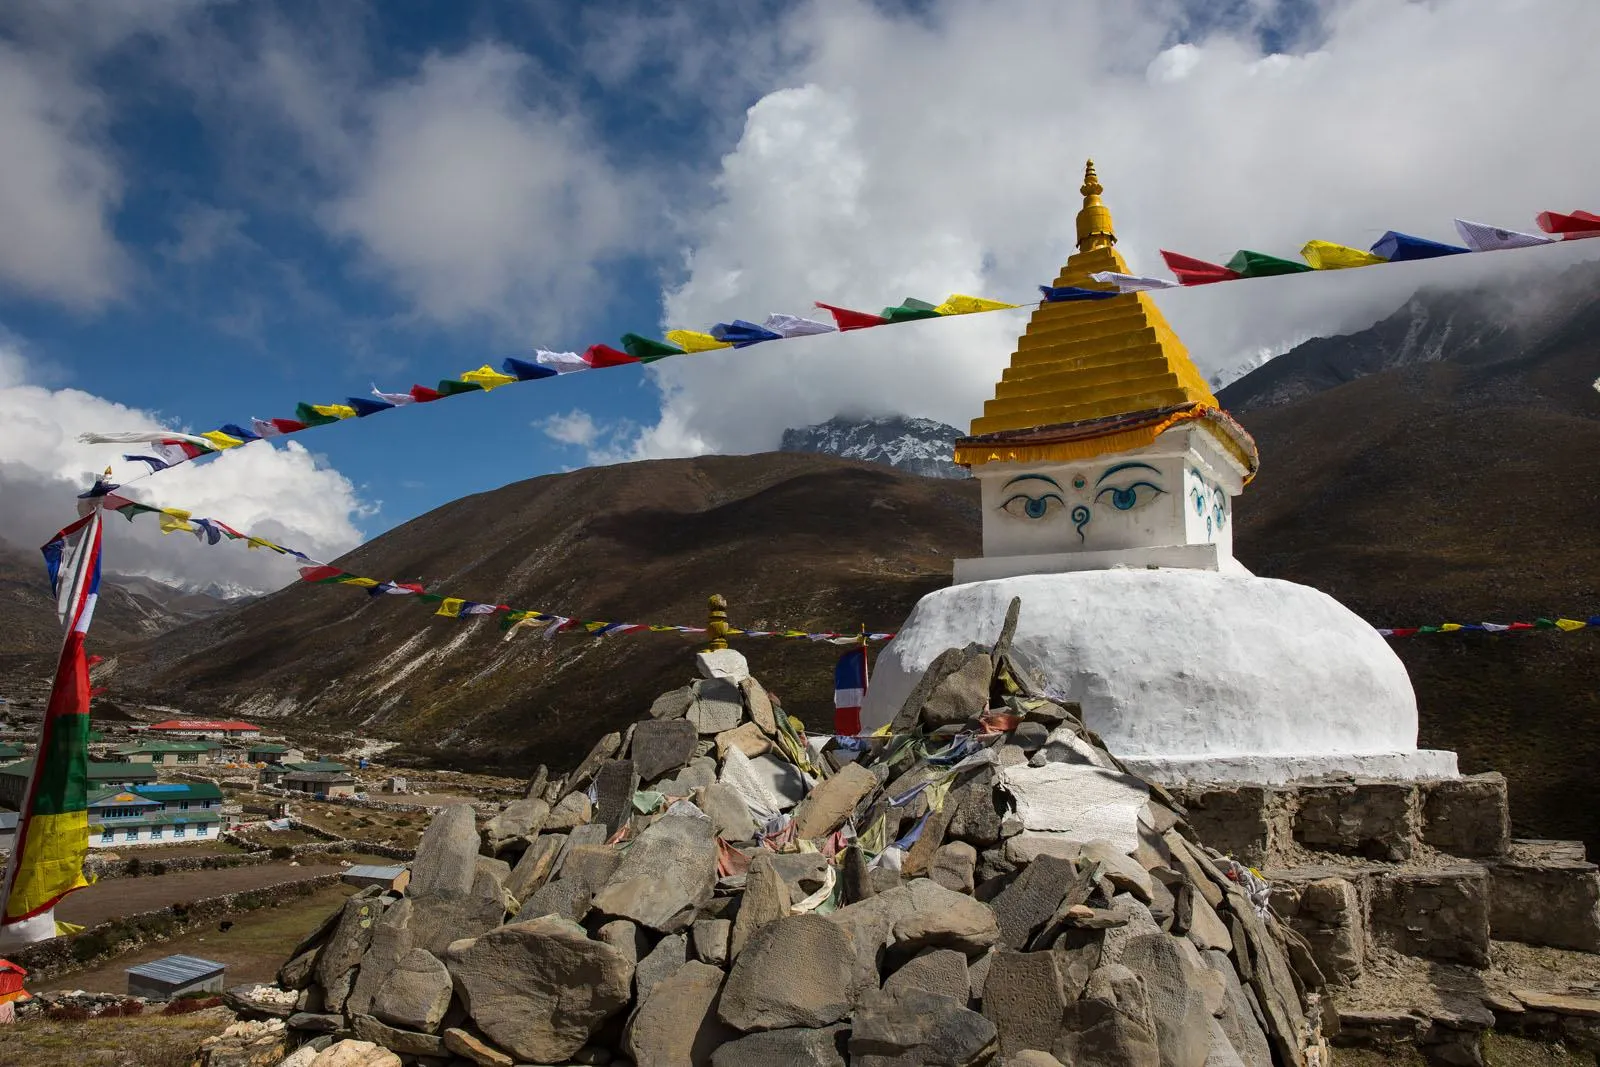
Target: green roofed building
(155, 814)
(9, 752)
(171, 753)
(123, 775)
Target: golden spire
(1094, 221)
(1086, 360)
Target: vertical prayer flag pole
(52, 839)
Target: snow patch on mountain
(918, 446)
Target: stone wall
(62, 954)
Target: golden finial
(1094, 221)
(717, 624)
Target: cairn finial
(717, 623)
(1094, 221)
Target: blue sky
(228, 208)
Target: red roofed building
(211, 729)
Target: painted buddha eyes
(1023, 506)
(1134, 494)
(1037, 496)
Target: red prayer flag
(1570, 227)
(606, 356)
(423, 395)
(852, 320)
(1192, 271)
(1404, 631)
(1520, 626)
(287, 425)
(317, 574)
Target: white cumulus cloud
(285, 494)
(570, 428)
(942, 151)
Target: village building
(205, 729)
(154, 814)
(1107, 474)
(9, 751)
(268, 752)
(102, 774)
(274, 773)
(163, 753)
(173, 976)
(321, 783)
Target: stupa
(1108, 473)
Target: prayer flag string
(315, 572)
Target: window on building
(177, 831)
(202, 830)
(187, 757)
(155, 833)
(107, 837)
(131, 835)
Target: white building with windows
(155, 814)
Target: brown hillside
(791, 540)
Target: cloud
(474, 201)
(573, 428)
(285, 494)
(920, 154)
(58, 187)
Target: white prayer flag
(1481, 238)
(393, 398)
(795, 326)
(561, 362)
(1132, 283)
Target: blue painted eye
(1023, 506)
(1126, 498)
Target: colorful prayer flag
(648, 350)
(957, 304)
(1402, 247)
(1132, 283)
(52, 837)
(1570, 227)
(852, 320)
(795, 326)
(1058, 294)
(742, 334)
(1481, 238)
(1325, 255)
(488, 378)
(524, 371)
(910, 308)
(849, 691)
(1248, 264)
(457, 386)
(1191, 271)
(606, 356)
(695, 341)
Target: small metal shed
(366, 874)
(174, 976)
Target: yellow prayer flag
(882, 731)
(335, 411)
(937, 791)
(694, 341)
(1325, 255)
(876, 837)
(1449, 627)
(956, 304)
(222, 440)
(487, 377)
(1571, 624)
(175, 520)
(451, 607)
(254, 543)
(365, 583)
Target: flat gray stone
(667, 873)
(799, 1047)
(730, 815)
(416, 994)
(518, 821)
(540, 989)
(910, 1026)
(718, 706)
(674, 704)
(447, 853)
(615, 784)
(337, 961)
(533, 870)
(393, 1038)
(711, 938)
(391, 939)
(941, 971)
(793, 972)
(662, 746)
(701, 772)
(677, 1023)
(663, 961)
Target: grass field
(253, 948)
(139, 1041)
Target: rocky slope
(916, 446)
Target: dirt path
(116, 897)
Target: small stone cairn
(984, 884)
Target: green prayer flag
(304, 413)
(1544, 624)
(1249, 264)
(911, 308)
(648, 350)
(454, 387)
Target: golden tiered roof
(1094, 376)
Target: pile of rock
(982, 885)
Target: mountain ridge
(915, 445)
